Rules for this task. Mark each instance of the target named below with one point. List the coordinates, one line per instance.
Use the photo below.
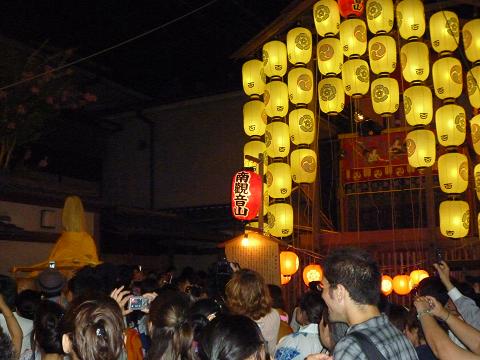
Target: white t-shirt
(25, 324)
(269, 325)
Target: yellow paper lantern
(280, 219)
(312, 272)
(275, 99)
(475, 130)
(285, 279)
(476, 176)
(415, 61)
(382, 52)
(279, 180)
(327, 17)
(300, 85)
(329, 56)
(471, 40)
(473, 86)
(385, 96)
(277, 139)
(303, 165)
(387, 285)
(253, 148)
(289, 263)
(418, 105)
(299, 46)
(416, 276)
(380, 15)
(454, 218)
(401, 284)
(410, 19)
(453, 173)
(254, 118)
(253, 78)
(356, 77)
(353, 37)
(331, 95)
(274, 56)
(421, 148)
(450, 121)
(444, 31)
(301, 123)
(447, 78)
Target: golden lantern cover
(299, 46)
(410, 19)
(421, 148)
(253, 78)
(277, 139)
(476, 176)
(387, 285)
(326, 16)
(450, 121)
(385, 96)
(275, 99)
(301, 123)
(380, 15)
(401, 284)
(471, 40)
(279, 180)
(254, 118)
(454, 218)
(382, 53)
(300, 85)
(416, 276)
(312, 272)
(331, 95)
(415, 61)
(447, 78)
(289, 263)
(418, 105)
(444, 31)
(453, 173)
(473, 86)
(475, 131)
(356, 77)
(253, 148)
(274, 56)
(303, 165)
(353, 37)
(280, 219)
(329, 56)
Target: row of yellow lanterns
(402, 284)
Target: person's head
(86, 282)
(397, 314)
(351, 279)
(232, 337)
(413, 329)
(8, 289)
(46, 334)
(433, 286)
(202, 312)
(312, 307)
(170, 330)
(51, 282)
(27, 303)
(93, 329)
(277, 297)
(248, 295)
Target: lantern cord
(103, 51)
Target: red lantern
(351, 7)
(246, 194)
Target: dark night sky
(184, 59)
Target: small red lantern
(351, 7)
(246, 194)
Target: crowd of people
(110, 312)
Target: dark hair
(46, 327)
(27, 303)
(433, 286)
(412, 322)
(232, 337)
(200, 312)
(312, 304)
(171, 333)
(95, 328)
(397, 314)
(85, 282)
(277, 297)
(357, 271)
(8, 289)
(6, 348)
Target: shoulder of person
(347, 348)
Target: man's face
(333, 301)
